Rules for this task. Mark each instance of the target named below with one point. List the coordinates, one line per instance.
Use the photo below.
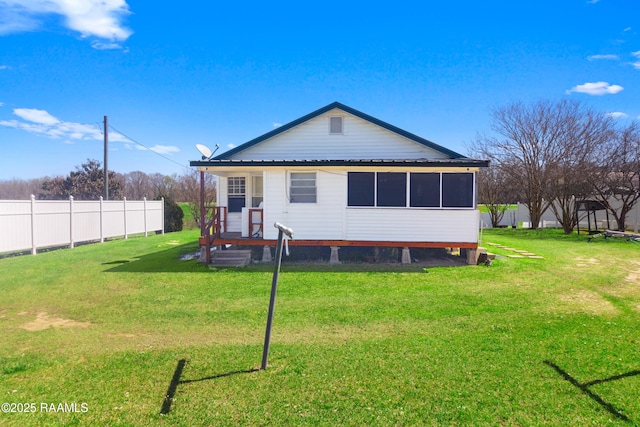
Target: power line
(147, 148)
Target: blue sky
(170, 76)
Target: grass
(385, 345)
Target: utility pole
(106, 159)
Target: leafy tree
(85, 183)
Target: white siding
(361, 140)
(412, 225)
(331, 219)
(321, 220)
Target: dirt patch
(125, 335)
(589, 302)
(43, 321)
(586, 262)
(634, 273)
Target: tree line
(555, 155)
(86, 182)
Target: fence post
(33, 225)
(101, 220)
(126, 235)
(71, 222)
(162, 218)
(145, 216)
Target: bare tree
(166, 185)
(585, 133)
(20, 189)
(495, 192)
(617, 181)
(532, 142)
(137, 185)
(190, 191)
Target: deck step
(231, 258)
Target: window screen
(335, 125)
(361, 189)
(303, 187)
(425, 190)
(457, 190)
(392, 189)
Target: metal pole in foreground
(274, 289)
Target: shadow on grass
(168, 261)
(176, 381)
(162, 261)
(584, 387)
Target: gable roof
(228, 154)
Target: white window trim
(315, 172)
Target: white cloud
(231, 145)
(36, 116)
(617, 115)
(160, 149)
(597, 89)
(1, 104)
(606, 57)
(40, 122)
(592, 1)
(91, 18)
(4, 67)
(277, 125)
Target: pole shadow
(584, 387)
(176, 381)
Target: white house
(339, 177)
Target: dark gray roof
(458, 162)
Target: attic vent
(335, 125)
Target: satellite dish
(205, 151)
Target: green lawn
(529, 342)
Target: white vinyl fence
(33, 224)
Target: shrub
(173, 215)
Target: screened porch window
(425, 190)
(392, 189)
(457, 190)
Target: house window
(257, 191)
(457, 190)
(236, 186)
(391, 189)
(303, 187)
(335, 125)
(425, 190)
(361, 189)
